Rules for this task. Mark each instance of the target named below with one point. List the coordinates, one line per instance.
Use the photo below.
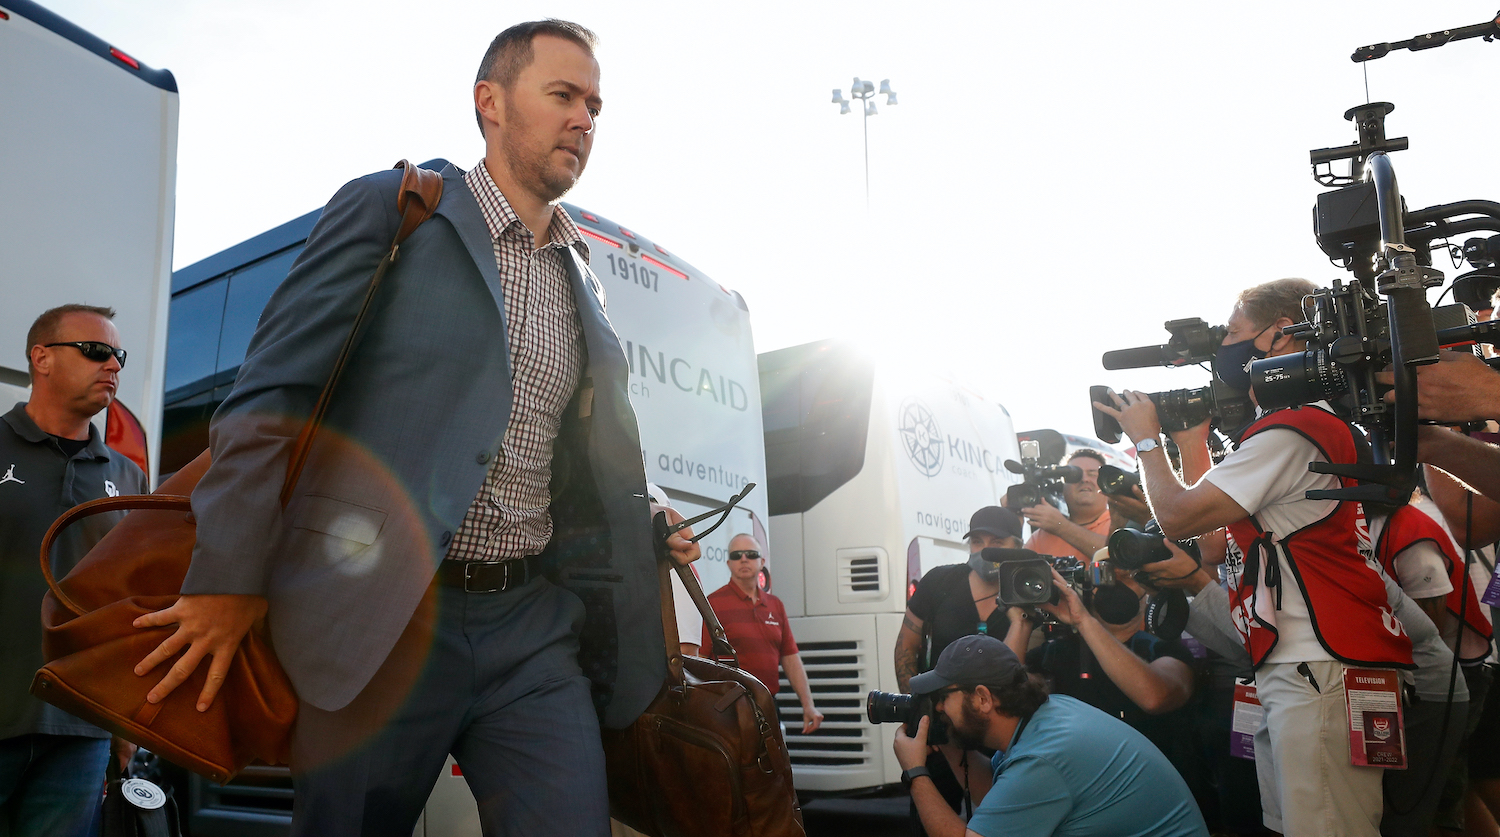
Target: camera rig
(1039, 483)
(1355, 329)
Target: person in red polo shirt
(757, 627)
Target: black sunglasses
(737, 554)
(95, 351)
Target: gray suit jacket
(422, 407)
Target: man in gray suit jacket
(480, 447)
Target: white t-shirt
(1421, 569)
(1267, 476)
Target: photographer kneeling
(1309, 606)
(1061, 766)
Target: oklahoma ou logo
(1391, 623)
(1241, 620)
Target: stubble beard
(534, 171)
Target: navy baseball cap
(997, 521)
(971, 661)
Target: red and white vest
(1345, 596)
(1408, 526)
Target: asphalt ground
(883, 817)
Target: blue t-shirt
(1075, 771)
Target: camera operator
(1061, 767)
(1309, 605)
(951, 602)
(1083, 530)
(1111, 663)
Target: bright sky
(1059, 179)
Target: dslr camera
(1193, 342)
(1039, 482)
(1026, 577)
(888, 708)
(1116, 482)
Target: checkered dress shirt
(509, 517)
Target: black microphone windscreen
(1014, 467)
(1069, 473)
(1138, 357)
(996, 554)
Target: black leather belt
(488, 576)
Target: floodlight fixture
(863, 91)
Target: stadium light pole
(863, 91)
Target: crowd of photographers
(1308, 664)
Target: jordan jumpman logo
(10, 476)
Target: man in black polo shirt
(51, 459)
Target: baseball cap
(971, 661)
(997, 521)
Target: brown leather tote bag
(92, 648)
(706, 759)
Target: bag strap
(416, 200)
(128, 502)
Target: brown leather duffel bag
(92, 648)
(706, 759)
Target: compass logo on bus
(921, 437)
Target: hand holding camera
(1069, 608)
(1136, 413)
(1179, 572)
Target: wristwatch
(907, 776)
(1147, 445)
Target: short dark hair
(44, 329)
(1019, 698)
(511, 52)
(1088, 452)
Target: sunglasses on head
(95, 351)
(737, 554)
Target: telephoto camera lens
(887, 708)
(1131, 550)
(1116, 482)
(1297, 379)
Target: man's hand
(1460, 387)
(679, 544)
(811, 718)
(1132, 507)
(912, 752)
(1044, 517)
(206, 626)
(1069, 610)
(1197, 435)
(1136, 413)
(1180, 571)
(123, 751)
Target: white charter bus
(693, 383)
(873, 476)
(89, 135)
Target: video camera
(1038, 482)
(1193, 342)
(1351, 332)
(1026, 577)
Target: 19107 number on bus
(632, 271)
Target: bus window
(249, 290)
(196, 318)
(815, 406)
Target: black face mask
(1116, 604)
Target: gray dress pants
(492, 678)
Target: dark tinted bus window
(250, 288)
(194, 321)
(815, 405)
